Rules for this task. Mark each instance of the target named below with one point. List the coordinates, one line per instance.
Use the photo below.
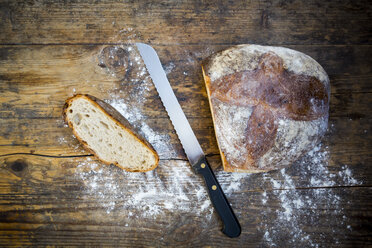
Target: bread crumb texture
(107, 138)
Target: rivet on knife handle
(231, 224)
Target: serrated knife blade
(188, 139)
(184, 131)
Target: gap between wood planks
(77, 156)
(208, 155)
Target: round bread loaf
(269, 105)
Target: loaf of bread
(108, 135)
(269, 105)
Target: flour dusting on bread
(269, 105)
(293, 137)
(225, 62)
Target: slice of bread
(105, 132)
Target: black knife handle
(230, 222)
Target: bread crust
(117, 118)
(226, 166)
(273, 85)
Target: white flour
(169, 67)
(145, 193)
(300, 210)
(131, 106)
(179, 190)
(133, 113)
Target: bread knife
(190, 144)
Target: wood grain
(50, 50)
(196, 22)
(39, 181)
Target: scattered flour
(178, 190)
(61, 140)
(132, 112)
(169, 67)
(299, 211)
(264, 197)
(148, 195)
(230, 182)
(131, 99)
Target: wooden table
(53, 192)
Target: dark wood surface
(49, 50)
